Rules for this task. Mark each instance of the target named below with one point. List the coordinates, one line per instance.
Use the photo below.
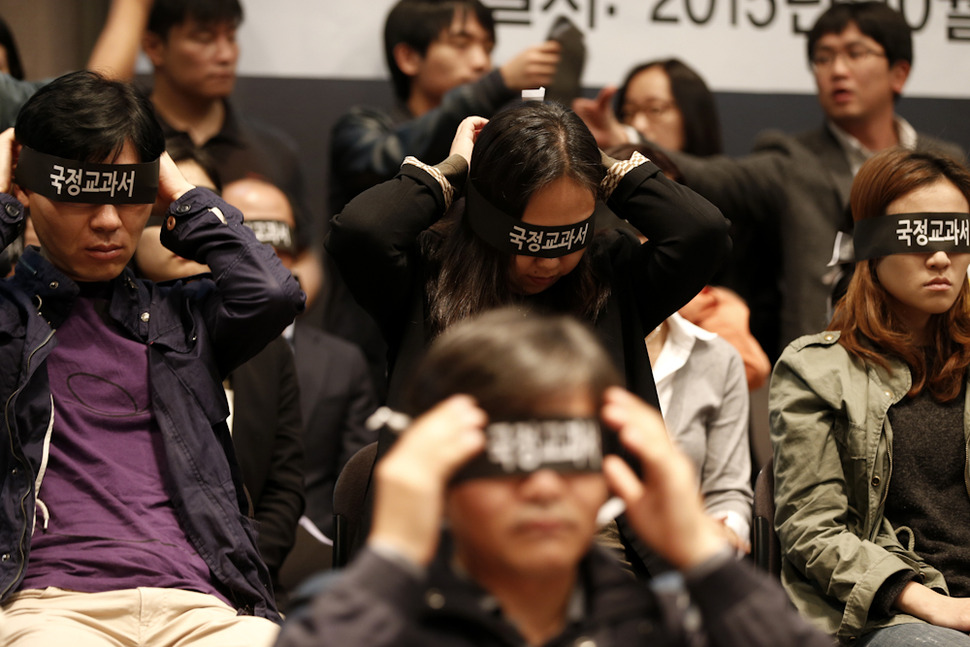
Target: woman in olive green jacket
(872, 523)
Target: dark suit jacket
(337, 396)
(267, 433)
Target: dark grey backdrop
(307, 108)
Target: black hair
(13, 54)
(875, 19)
(508, 360)
(418, 23)
(86, 117)
(702, 126)
(166, 14)
(521, 150)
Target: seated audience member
(439, 53)
(113, 55)
(531, 173)
(263, 396)
(336, 393)
(511, 414)
(115, 448)
(869, 422)
(704, 402)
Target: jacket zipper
(23, 499)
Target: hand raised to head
(465, 136)
(413, 476)
(171, 183)
(8, 151)
(664, 506)
(598, 116)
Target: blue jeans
(914, 633)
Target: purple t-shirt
(112, 524)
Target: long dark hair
(520, 151)
(869, 328)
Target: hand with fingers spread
(413, 476)
(533, 67)
(663, 506)
(599, 117)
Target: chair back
(350, 501)
(764, 541)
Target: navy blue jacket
(196, 333)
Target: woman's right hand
(466, 135)
(938, 609)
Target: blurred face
(198, 59)
(854, 79)
(89, 242)
(649, 107)
(924, 284)
(562, 202)
(4, 64)
(461, 54)
(540, 524)
(259, 200)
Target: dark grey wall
(307, 108)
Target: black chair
(350, 504)
(765, 548)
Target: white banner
(736, 45)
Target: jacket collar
(53, 293)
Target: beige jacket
(833, 462)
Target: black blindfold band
(511, 235)
(63, 180)
(911, 233)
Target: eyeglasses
(855, 55)
(653, 109)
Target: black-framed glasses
(854, 55)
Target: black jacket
(196, 334)
(377, 603)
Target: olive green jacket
(832, 464)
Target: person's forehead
(219, 25)
(850, 35)
(465, 23)
(259, 200)
(650, 83)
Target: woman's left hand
(466, 135)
